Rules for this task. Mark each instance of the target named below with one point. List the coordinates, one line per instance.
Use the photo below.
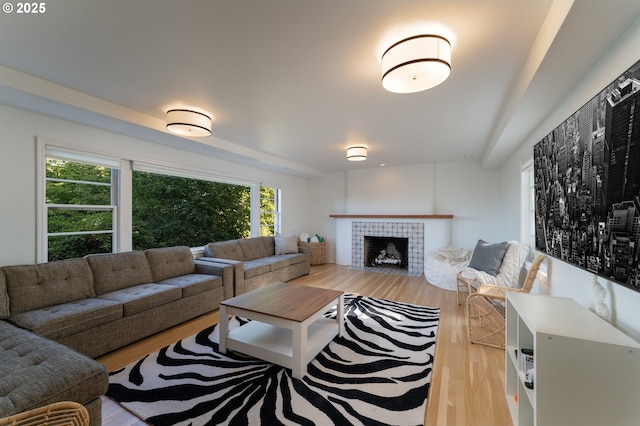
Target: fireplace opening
(386, 252)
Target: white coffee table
(288, 327)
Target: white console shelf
(587, 372)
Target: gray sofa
(256, 262)
(35, 372)
(97, 304)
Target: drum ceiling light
(416, 63)
(357, 153)
(186, 122)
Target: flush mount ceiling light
(185, 122)
(357, 153)
(416, 63)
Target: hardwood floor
(467, 385)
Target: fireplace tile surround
(436, 234)
(414, 231)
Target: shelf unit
(587, 372)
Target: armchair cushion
(509, 273)
(488, 257)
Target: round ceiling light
(357, 153)
(185, 122)
(416, 63)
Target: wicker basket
(316, 251)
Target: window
(91, 203)
(527, 233)
(269, 211)
(175, 210)
(80, 194)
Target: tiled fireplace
(406, 236)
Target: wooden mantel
(391, 216)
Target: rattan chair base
(66, 413)
(485, 322)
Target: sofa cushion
(36, 371)
(143, 297)
(253, 248)
(115, 271)
(32, 287)
(169, 262)
(295, 258)
(286, 245)
(70, 318)
(194, 284)
(275, 262)
(253, 268)
(4, 296)
(269, 244)
(224, 250)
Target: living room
(483, 196)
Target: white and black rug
(377, 373)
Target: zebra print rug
(377, 373)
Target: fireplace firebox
(411, 252)
(386, 252)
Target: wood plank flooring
(467, 385)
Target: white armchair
(508, 274)
(485, 309)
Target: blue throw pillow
(488, 257)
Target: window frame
(277, 213)
(125, 163)
(46, 149)
(527, 206)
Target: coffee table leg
(224, 329)
(299, 359)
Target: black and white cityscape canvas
(587, 184)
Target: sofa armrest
(305, 250)
(238, 272)
(223, 270)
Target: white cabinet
(586, 372)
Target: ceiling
(292, 83)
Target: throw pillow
(488, 257)
(285, 245)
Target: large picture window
(89, 204)
(173, 210)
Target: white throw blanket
(509, 273)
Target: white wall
(391, 190)
(326, 196)
(472, 195)
(463, 189)
(18, 182)
(565, 280)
